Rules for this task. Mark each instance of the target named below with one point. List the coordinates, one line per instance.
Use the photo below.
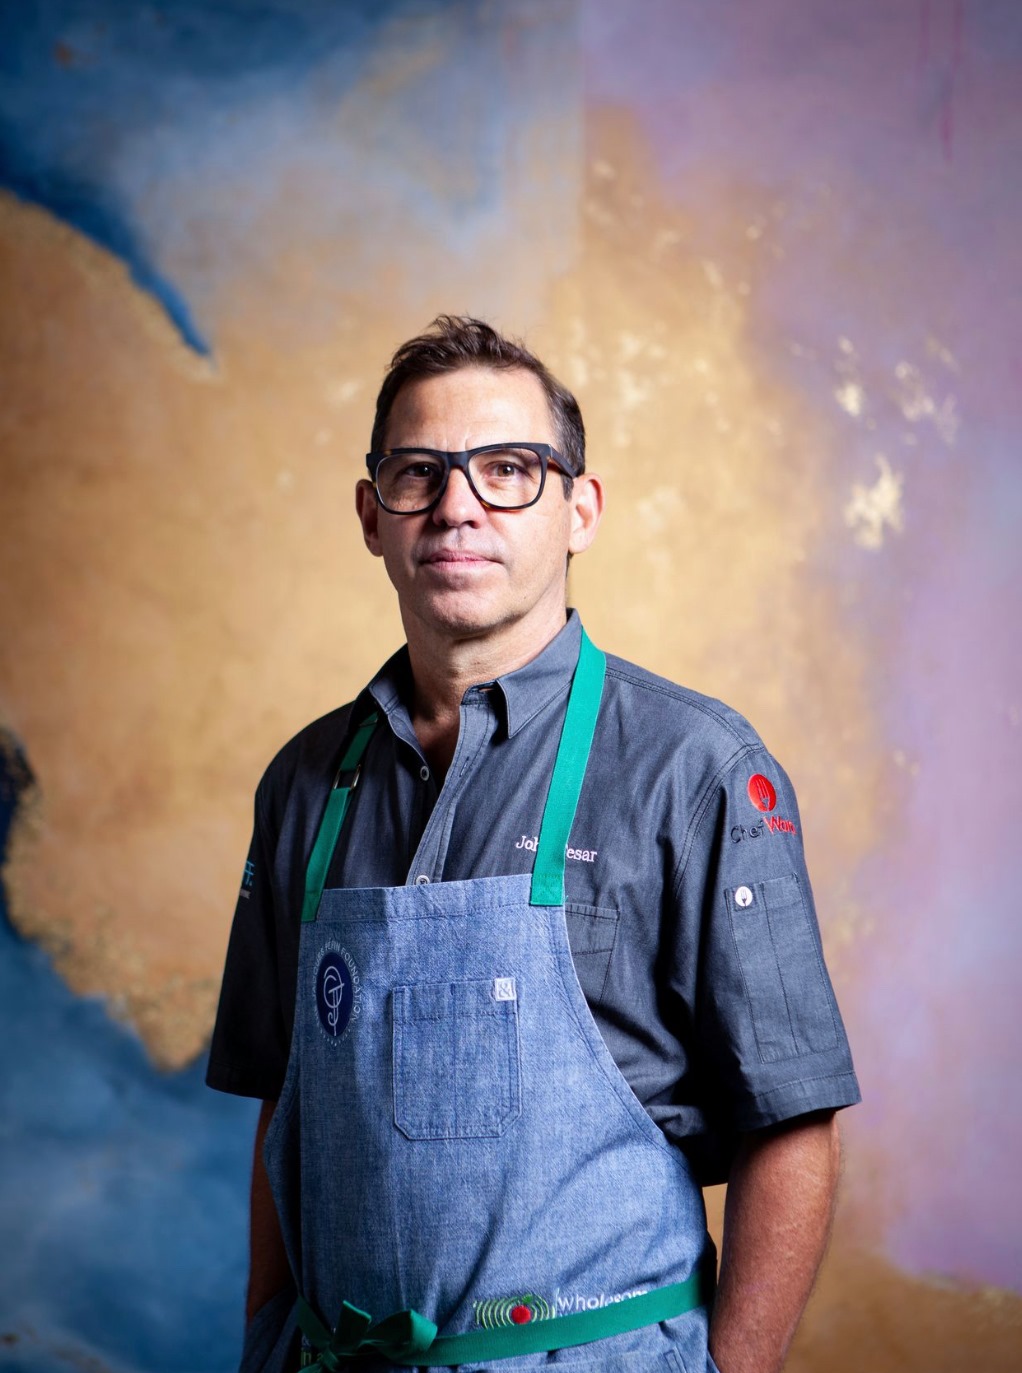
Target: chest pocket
(592, 932)
(457, 1060)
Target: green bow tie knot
(401, 1336)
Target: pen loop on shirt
(348, 786)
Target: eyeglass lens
(507, 478)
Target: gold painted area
(180, 590)
(866, 1314)
(182, 584)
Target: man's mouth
(454, 557)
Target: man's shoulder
(308, 756)
(660, 704)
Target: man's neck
(445, 667)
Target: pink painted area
(924, 33)
(830, 123)
(934, 1009)
(790, 91)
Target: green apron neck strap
(333, 817)
(569, 770)
(561, 802)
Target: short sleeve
(768, 1032)
(249, 1050)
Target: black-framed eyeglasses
(503, 476)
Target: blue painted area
(81, 81)
(123, 1191)
(92, 211)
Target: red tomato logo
(761, 792)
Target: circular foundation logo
(761, 792)
(338, 991)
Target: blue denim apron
(462, 1174)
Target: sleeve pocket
(788, 990)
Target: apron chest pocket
(457, 1068)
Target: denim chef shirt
(689, 912)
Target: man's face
(460, 570)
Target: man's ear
(368, 508)
(586, 511)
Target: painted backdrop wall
(775, 250)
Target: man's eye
(509, 465)
(418, 471)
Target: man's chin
(459, 613)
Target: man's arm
(777, 1216)
(269, 1272)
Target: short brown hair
(454, 341)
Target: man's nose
(459, 504)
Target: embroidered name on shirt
(577, 855)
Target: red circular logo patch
(521, 1315)
(761, 792)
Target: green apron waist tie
(405, 1335)
(410, 1339)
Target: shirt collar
(390, 688)
(391, 691)
(525, 692)
(530, 688)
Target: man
(525, 953)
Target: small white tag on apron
(504, 989)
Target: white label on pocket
(504, 989)
(743, 897)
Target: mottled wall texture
(774, 247)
